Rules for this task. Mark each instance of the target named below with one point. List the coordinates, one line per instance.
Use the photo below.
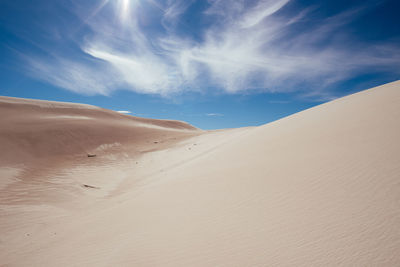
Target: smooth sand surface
(318, 188)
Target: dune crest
(318, 188)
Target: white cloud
(173, 11)
(124, 111)
(82, 78)
(261, 11)
(247, 48)
(214, 114)
(145, 73)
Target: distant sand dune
(34, 129)
(318, 188)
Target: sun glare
(125, 5)
(125, 9)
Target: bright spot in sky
(124, 6)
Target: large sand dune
(318, 188)
(33, 129)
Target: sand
(318, 188)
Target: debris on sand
(91, 155)
(90, 186)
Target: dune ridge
(318, 188)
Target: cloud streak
(248, 47)
(214, 114)
(124, 111)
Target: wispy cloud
(87, 78)
(124, 111)
(173, 11)
(263, 46)
(214, 114)
(260, 11)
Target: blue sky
(215, 63)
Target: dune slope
(45, 147)
(32, 129)
(318, 188)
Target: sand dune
(318, 188)
(34, 129)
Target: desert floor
(318, 188)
